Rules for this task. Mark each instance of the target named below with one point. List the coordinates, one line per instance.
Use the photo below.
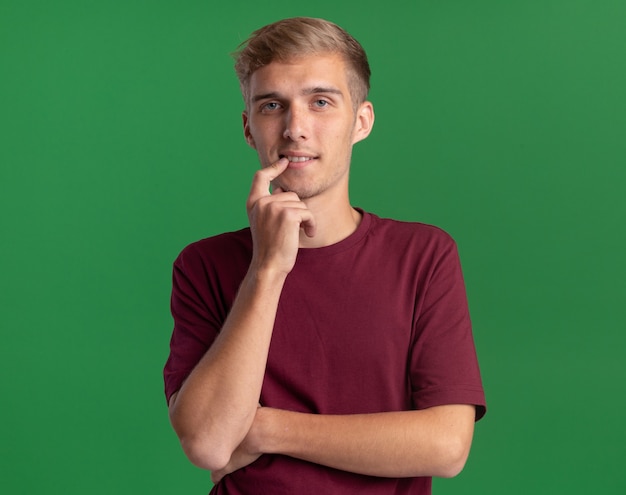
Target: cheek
(338, 131)
(263, 135)
(344, 135)
(263, 147)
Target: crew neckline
(347, 243)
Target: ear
(364, 122)
(246, 130)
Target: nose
(295, 124)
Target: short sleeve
(443, 363)
(194, 327)
(205, 280)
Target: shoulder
(409, 233)
(221, 249)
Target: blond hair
(287, 39)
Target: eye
(270, 106)
(320, 103)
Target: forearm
(216, 405)
(430, 442)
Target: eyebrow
(307, 91)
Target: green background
(120, 142)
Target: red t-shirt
(377, 322)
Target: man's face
(302, 109)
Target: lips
(297, 158)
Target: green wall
(501, 121)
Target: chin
(307, 192)
(301, 192)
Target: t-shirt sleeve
(196, 319)
(444, 366)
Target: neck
(333, 222)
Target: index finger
(263, 178)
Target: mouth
(300, 159)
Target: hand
(276, 220)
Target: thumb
(309, 226)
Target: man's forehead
(309, 74)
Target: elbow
(453, 456)
(203, 454)
(452, 468)
(201, 448)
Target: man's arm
(215, 407)
(429, 442)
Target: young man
(323, 349)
